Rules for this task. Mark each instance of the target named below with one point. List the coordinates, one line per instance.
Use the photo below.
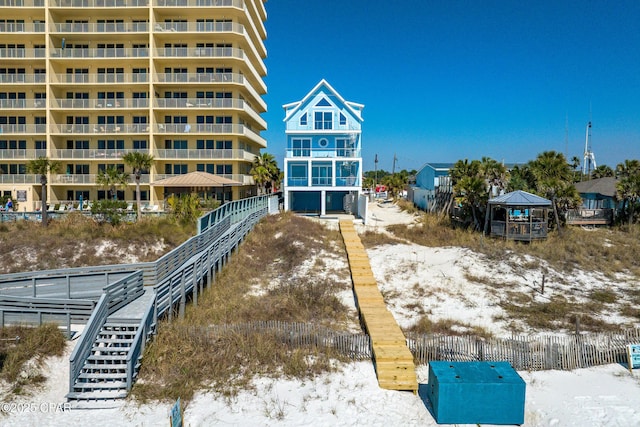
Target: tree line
(549, 176)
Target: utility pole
(393, 169)
(375, 181)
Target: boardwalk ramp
(392, 358)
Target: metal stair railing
(114, 296)
(139, 342)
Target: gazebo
(198, 182)
(519, 216)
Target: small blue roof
(520, 198)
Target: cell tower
(589, 157)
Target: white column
(323, 202)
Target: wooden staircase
(104, 374)
(392, 358)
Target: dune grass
(610, 251)
(72, 242)
(20, 345)
(259, 284)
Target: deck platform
(391, 356)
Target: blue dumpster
(476, 393)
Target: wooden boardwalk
(392, 358)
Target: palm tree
(42, 166)
(496, 176)
(628, 186)
(469, 187)
(395, 183)
(602, 171)
(265, 171)
(554, 180)
(139, 162)
(112, 178)
(521, 178)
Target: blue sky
(443, 80)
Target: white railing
(23, 129)
(24, 53)
(21, 3)
(205, 154)
(8, 154)
(96, 128)
(23, 78)
(107, 52)
(98, 3)
(200, 78)
(199, 27)
(102, 27)
(199, 3)
(22, 103)
(206, 52)
(19, 179)
(21, 27)
(94, 78)
(100, 103)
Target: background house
(323, 162)
(433, 188)
(598, 202)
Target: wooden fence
(543, 352)
(564, 352)
(294, 335)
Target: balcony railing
(21, 3)
(590, 216)
(200, 103)
(204, 154)
(102, 78)
(8, 178)
(22, 53)
(94, 154)
(101, 128)
(200, 78)
(199, 27)
(199, 3)
(227, 129)
(100, 103)
(206, 52)
(117, 52)
(22, 103)
(297, 182)
(323, 152)
(10, 154)
(23, 78)
(199, 128)
(21, 27)
(102, 27)
(22, 129)
(98, 3)
(86, 179)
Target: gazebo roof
(520, 198)
(196, 179)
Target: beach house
(323, 161)
(433, 188)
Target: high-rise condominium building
(83, 82)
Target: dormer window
(303, 119)
(323, 120)
(343, 120)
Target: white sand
(601, 396)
